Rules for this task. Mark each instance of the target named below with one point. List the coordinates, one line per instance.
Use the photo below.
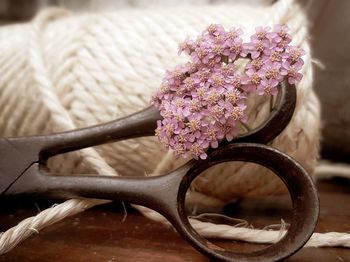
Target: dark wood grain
(101, 234)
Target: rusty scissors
(21, 158)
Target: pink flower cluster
(203, 101)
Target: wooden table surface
(103, 234)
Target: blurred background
(329, 23)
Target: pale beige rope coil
(61, 72)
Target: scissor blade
(16, 155)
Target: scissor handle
(143, 123)
(166, 194)
(18, 153)
(300, 186)
(23, 151)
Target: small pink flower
(199, 53)
(235, 112)
(189, 84)
(201, 76)
(280, 33)
(276, 56)
(254, 79)
(261, 33)
(216, 113)
(272, 70)
(292, 72)
(215, 30)
(295, 54)
(179, 149)
(255, 64)
(187, 47)
(257, 47)
(235, 48)
(268, 86)
(227, 70)
(200, 92)
(233, 95)
(217, 80)
(234, 33)
(197, 150)
(230, 132)
(214, 95)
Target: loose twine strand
(50, 86)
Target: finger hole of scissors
(301, 190)
(257, 199)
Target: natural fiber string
(31, 225)
(327, 170)
(92, 84)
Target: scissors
(21, 158)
